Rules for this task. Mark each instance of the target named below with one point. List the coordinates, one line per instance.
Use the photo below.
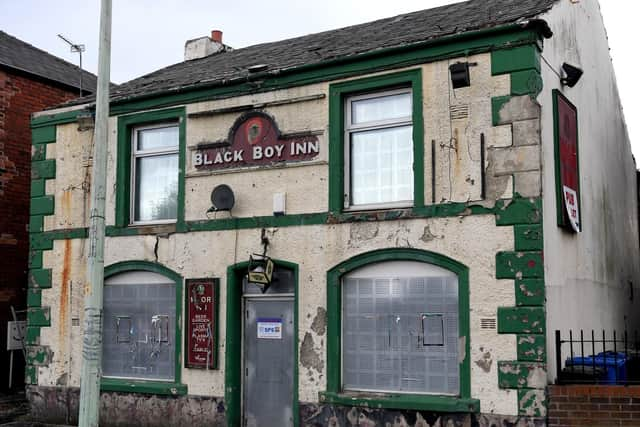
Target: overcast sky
(150, 34)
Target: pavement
(14, 411)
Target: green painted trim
(521, 58)
(514, 374)
(334, 321)
(34, 297)
(41, 241)
(36, 224)
(43, 135)
(31, 375)
(458, 45)
(57, 119)
(127, 385)
(39, 316)
(139, 386)
(35, 259)
(532, 403)
(45, 169)
(521, 320)
(38, 152)
(233, 345)
(528, 237)
(123, 169)
(69, 233)
(519, 210)
(528, 82)
(404, 401)
(530, 292)
(37, 188)
(515, 265)
(32, 335)
(532, 348)
(38, 355)
(39, 278)
(561, 215)
(44, 205)
(338, 92)
(497, 102)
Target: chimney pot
(216, 36)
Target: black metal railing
(598, 358)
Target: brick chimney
(204, 46)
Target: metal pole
(80, 72)
(92, 336)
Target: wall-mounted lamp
(572, 75)
(261, 267)
(460, 75)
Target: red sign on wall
(255, 140)
(201, 334)
(567, 140)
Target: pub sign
(201, 334)
(567, 166)
(254, 140)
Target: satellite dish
(222, 198)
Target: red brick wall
(19, 97)
(594, 406)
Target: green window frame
(338, 94)
(151, 386)
(126, 125)
(395, 400)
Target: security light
(460, 75)
(572, 76)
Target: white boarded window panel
(139, 327)
(384, 346)
(382, 162)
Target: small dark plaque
(201, 332)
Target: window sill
(403, 401)
(140, 229)
(141, 386)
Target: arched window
(139, 331)
(398, 329)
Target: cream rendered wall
(588, 275)
(453, 119)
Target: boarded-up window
(400, 329)
(139, 326)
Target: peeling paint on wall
(319, 324)
(309, 357)
(485, 361)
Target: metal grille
(401, 334)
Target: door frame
(233, 342)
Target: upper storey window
(154, 177)
(376, 143)
(379, 149)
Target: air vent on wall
(457, 112)
(488, 323)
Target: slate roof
(18, 55)
(401, 30)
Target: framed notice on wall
(201, 318)
(567, 165)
